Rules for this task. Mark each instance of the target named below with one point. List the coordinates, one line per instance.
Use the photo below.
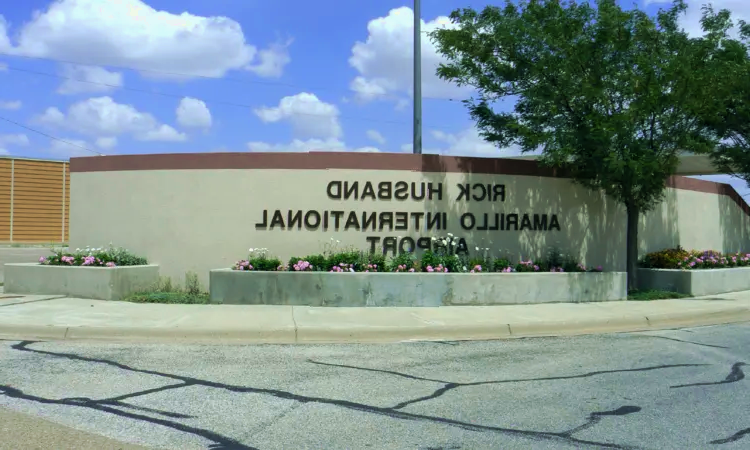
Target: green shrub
(669, 258)
(501, 264)
(259, 260)
(404, 262)
(348, 258)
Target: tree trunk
(632, 245)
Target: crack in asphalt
(596, 417)
(224, 442)
(736, 374)
(110, 405)
(687, 342)
(448, 386)
(735, 437)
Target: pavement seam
(32, 301)
(294, 321)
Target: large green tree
(726, 107)
(600, 90)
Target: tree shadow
(590, 224)
(734, 220)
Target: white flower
(337, 241)
(487, 249)
(78, 249)
(465, 269)
(434, 238)
(445, 242)
(450, 234)
(477, 248)
(251, 250)
(351, 270)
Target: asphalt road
(20, 255)
(662, 390)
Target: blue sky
(228, 75)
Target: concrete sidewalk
(49, 317)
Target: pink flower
(111, 264)
(42, 260)
(411, 270)
(430, 269)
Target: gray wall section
(695, 282)
(98, 283)
(412, 289)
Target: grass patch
(181, 298)
(166, 292)
(644, 296)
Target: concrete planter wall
(412, 289)
(695, 282)
(100, 283)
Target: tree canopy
(725, 109)
(602, 91)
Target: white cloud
(376, 136)
(89, 76)
(464, 143)
(16, 104)
(106, 143)
(193, 113)
(272, 60)
(310, 145)
(163, 133)
(103, 117)
(310, 117)
(691, 21)
(130, 33)
(20, 140)
(384, 61)
(70, 148)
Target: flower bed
(694, 272)
(94, 257)
(446, 261)
(437, 278)
(96, 273)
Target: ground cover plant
(443, 258)
(164, 291)
(93, 257)
(679, 258)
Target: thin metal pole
(417, 143)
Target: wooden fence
(34, 200)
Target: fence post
(62, 237)
(12, 188)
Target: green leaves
(603, 91)
(725, 107)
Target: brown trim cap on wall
(310, 161)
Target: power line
(204, 77)
(50, 136)
(180, 96)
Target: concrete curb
(362, 333)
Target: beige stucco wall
(695, 220)
(199, 220)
